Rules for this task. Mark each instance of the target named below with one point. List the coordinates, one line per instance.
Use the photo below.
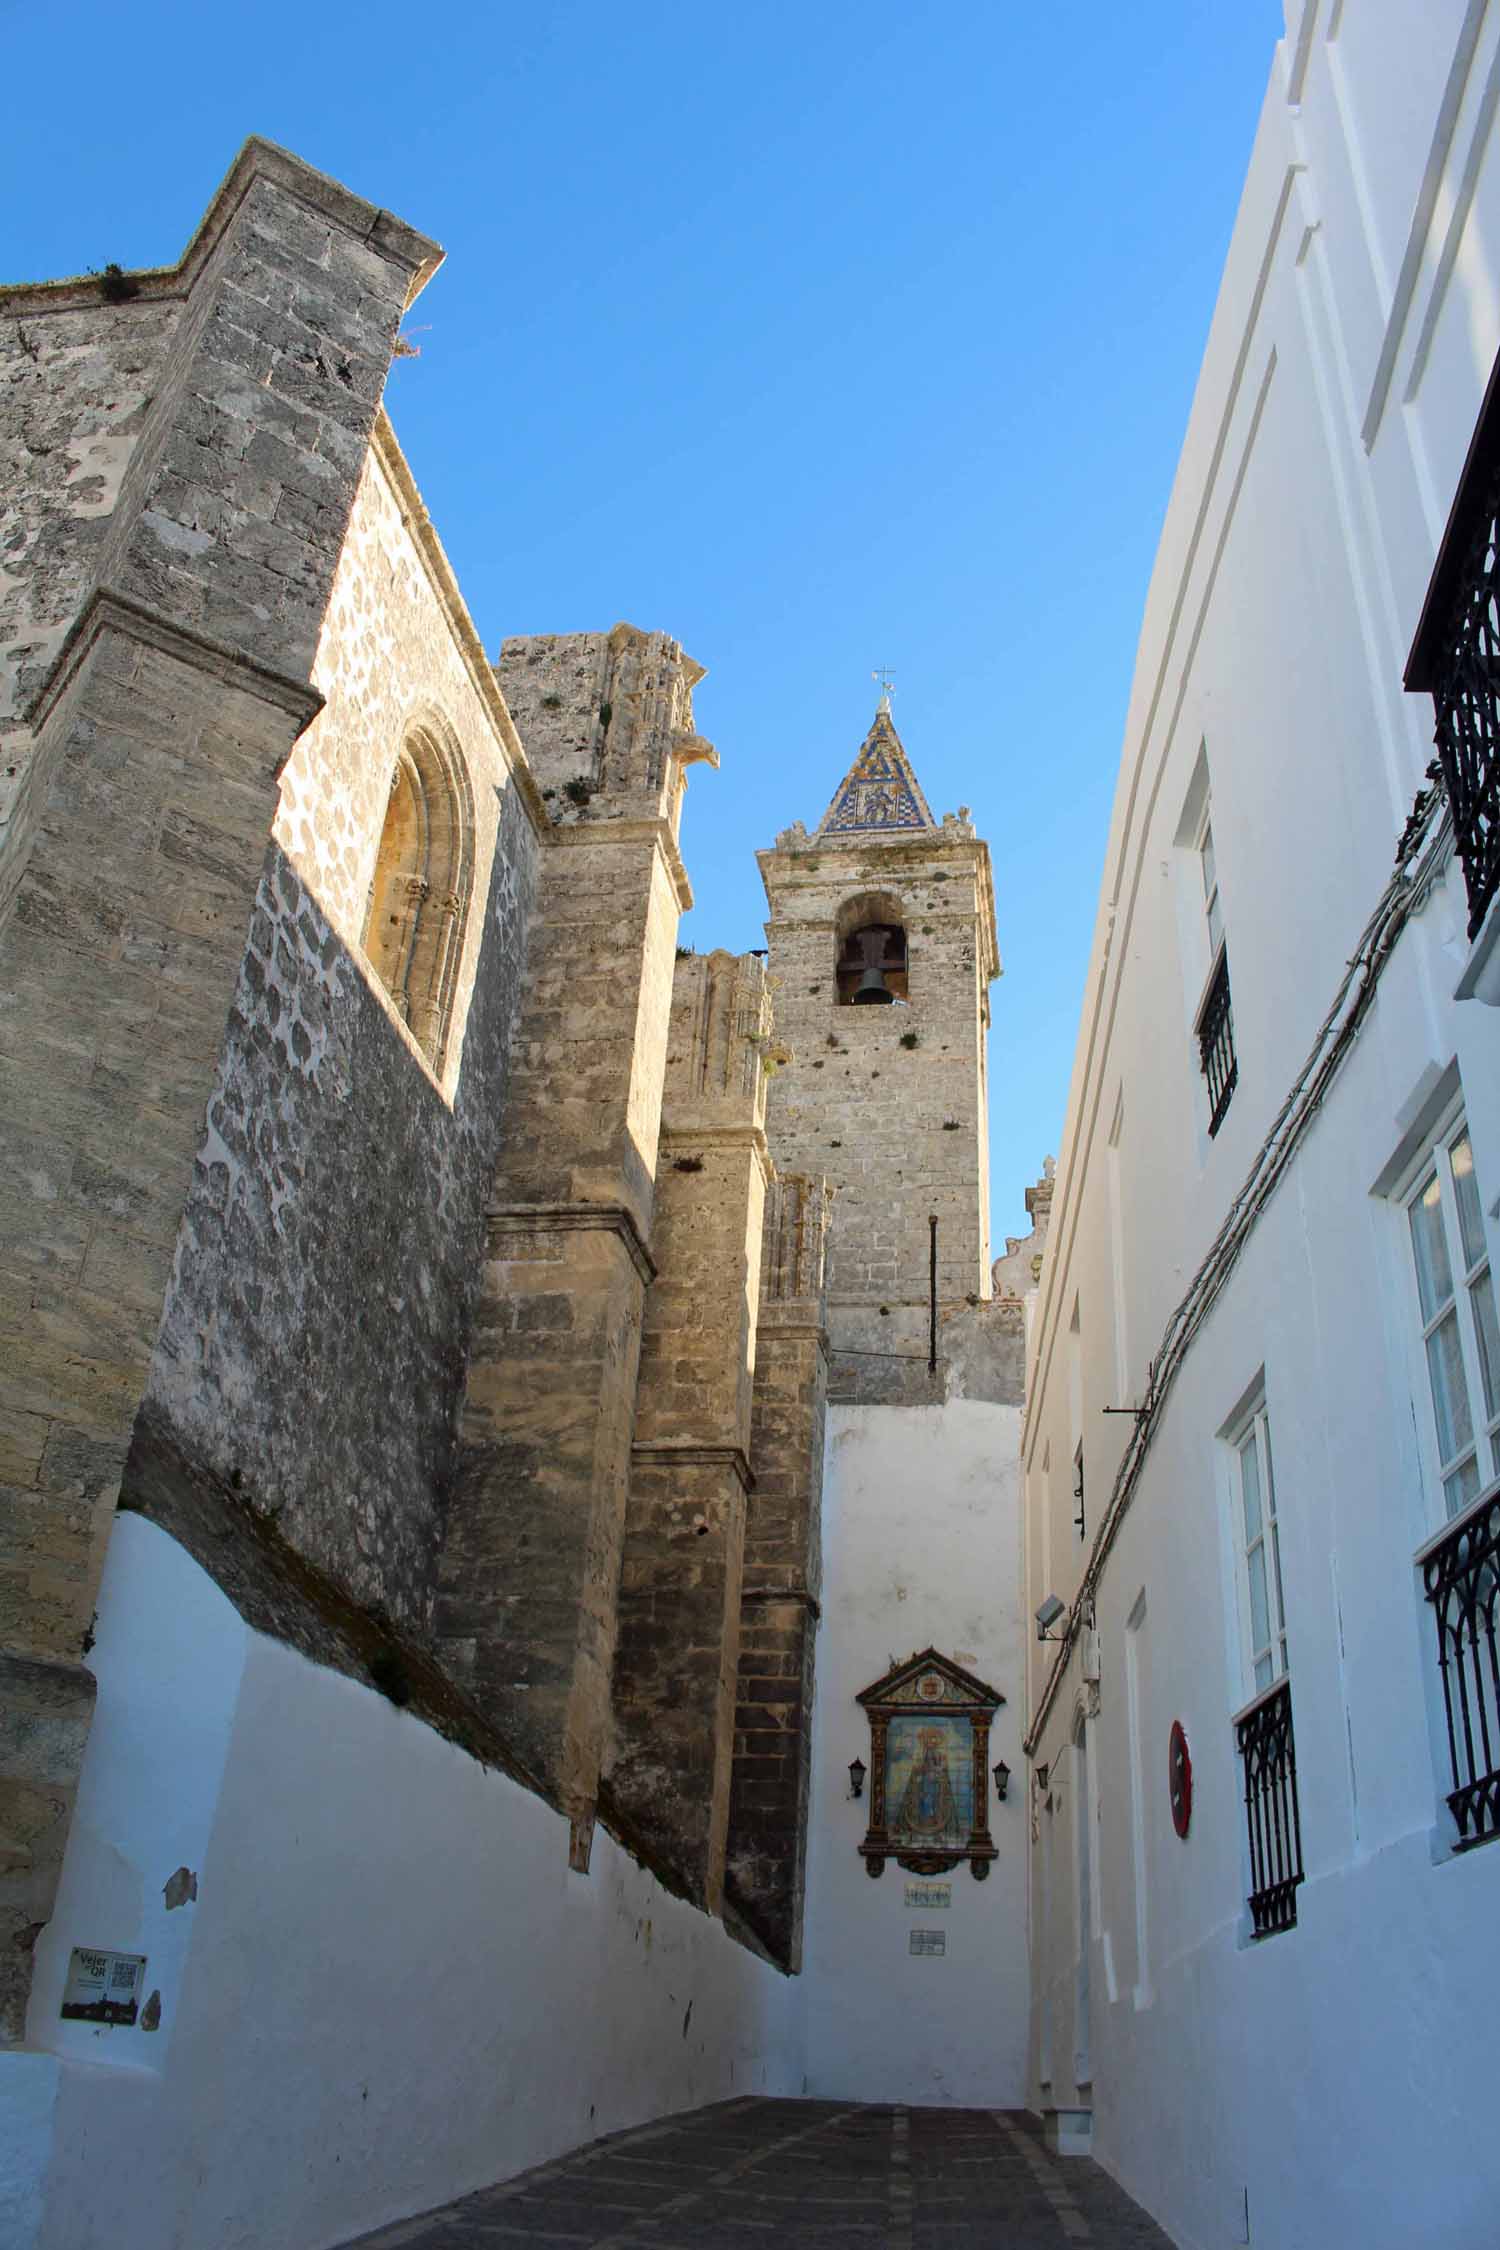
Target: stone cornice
(679, 1129)
(797, 1593)
(632, 831)
(257, 160)
(105, 611)
(502, 1219)
(683, 1453)
(806, 1324)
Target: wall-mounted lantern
(856, 1777)
(1002, 1780)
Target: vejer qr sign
(930, 1943)
(103, 1987)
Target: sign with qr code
(934, 1897)
(928, 1942)
(103, 1987)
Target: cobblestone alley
(756, 2175)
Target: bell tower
(882, 951)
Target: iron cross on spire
(882, 673)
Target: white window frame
(1208, 876)
(1431, 1167)
(1250, 1435)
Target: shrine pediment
(930, 1681)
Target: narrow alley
(818, 2175)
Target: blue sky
(819, 337)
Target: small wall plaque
(928, 1942)
(932, 1897)
(103, 1987)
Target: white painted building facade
(387, 1986)
(921, 1525)
(1285, 1267)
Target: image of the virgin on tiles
(929, 1786)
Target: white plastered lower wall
(922, 1546)
(390, 1989)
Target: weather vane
(882, 673)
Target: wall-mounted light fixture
(1002, 1780)
(856, 1777)
(1047, 1616)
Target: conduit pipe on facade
(1403, 896)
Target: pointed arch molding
(423, 882)
(929, 1768)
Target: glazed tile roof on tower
(879, 792)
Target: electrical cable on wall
(1403, 896)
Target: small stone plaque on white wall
(933, 1897)
(103, 1987)
(928, 1942)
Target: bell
(872, 990)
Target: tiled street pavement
(760, 2175)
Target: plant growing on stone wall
(116, 286)
(606, 713)
(551, 702)
(578, 791)
(389, 1675)
(952, 1125)
(687, 1164)
(686, 952)
(909, 1039)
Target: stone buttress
(782, 1582)
(530, 1568)
(668, 1778)
(157, 631)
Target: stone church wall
(171, 705)
(326, 1269)
(75, 386)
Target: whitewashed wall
(390, 1989)
(1341, 2076)
(922, 1546)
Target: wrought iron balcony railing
(1215, 1029)
(1264, 1733)
(1455, 659)
(1461, 1576)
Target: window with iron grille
(1455, 658)
(1216, 1055)
(1460, 1567)
(1263, 1729)
(1213, 1025)
(1272, 1815)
